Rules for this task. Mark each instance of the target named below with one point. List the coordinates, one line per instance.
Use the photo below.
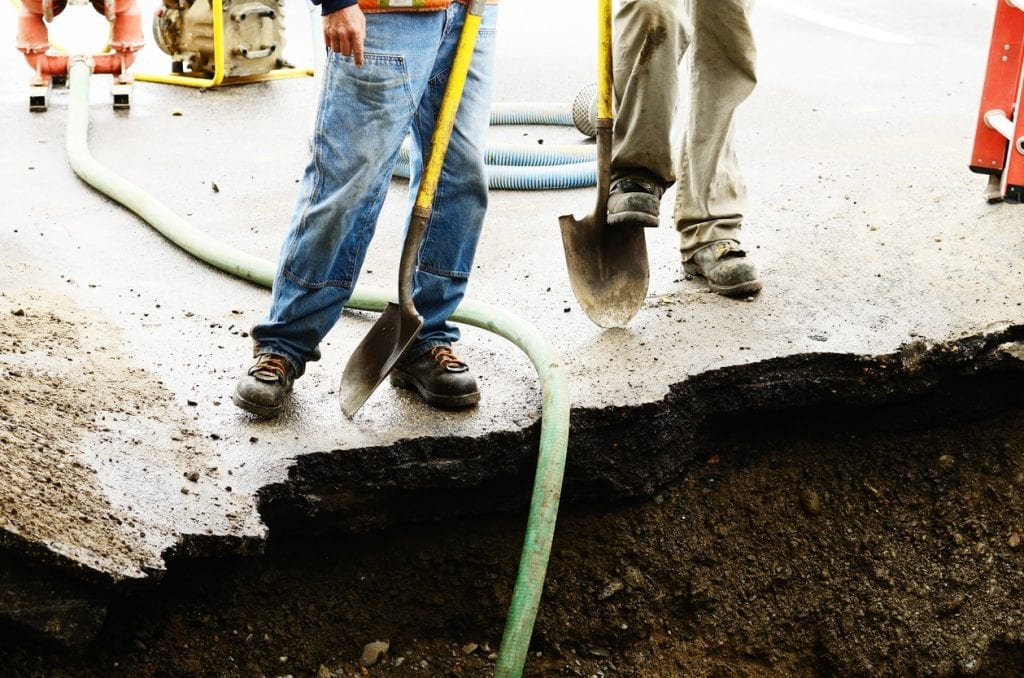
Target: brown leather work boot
(442, 379)
(262, 389)
(726, 268)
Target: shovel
(398, 325)
(607, 265)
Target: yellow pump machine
(221, 42)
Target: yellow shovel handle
(449, 106)
(604, 56)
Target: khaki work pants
(651, 39)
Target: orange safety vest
(410, 5)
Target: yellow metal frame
(218, 79)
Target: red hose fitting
(34, 40)
(126, 38)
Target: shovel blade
(608, 268)
(376, 355)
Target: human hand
(345, 32)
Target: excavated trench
(811, 515)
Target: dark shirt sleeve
(330, 6)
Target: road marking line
(834, 22)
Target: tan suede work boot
(726, 269)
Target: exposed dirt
(817, 544)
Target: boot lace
(444, 357)
(269, 366)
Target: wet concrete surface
(118, 351)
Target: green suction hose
(554, 430)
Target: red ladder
(999, 138)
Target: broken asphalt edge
(615, 453)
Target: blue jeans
(363, 116)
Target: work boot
(633, 201)
(442, 379)
(262, 389)
(726, 268)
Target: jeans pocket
(364, 114)
(382, 79)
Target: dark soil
(804, 545)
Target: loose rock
(610, 589)
(374, 652)
(810, 502)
